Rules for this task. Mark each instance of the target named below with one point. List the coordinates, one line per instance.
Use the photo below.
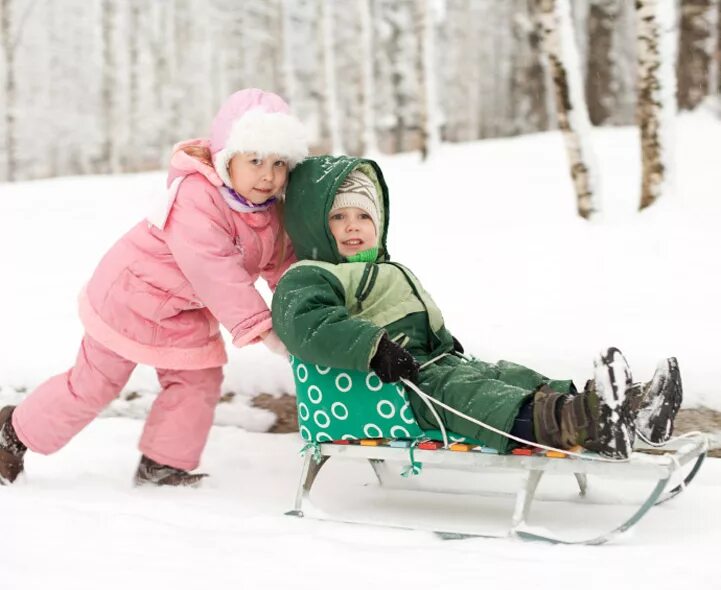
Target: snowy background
(491, 230)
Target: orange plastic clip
(462, 447)
(372, 442)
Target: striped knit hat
(357, 190)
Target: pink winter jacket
(157, 296)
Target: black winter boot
(599, 419)
(12, 450)
(151, 473)
(657, 402)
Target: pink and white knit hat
(253, 120)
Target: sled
(353, 415)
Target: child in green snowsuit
(346, 305)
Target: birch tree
(600, 83)
(287, 69)
(6, 34)
(425, 32)
(656, 94)
(695, 52)
(527, 98)
(11, 31)
(367, 87)
(108, 152)
(718, 48)
(133, 81)
(329, 79)
(560, 49)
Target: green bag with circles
(337, 404)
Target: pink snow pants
(176, 429)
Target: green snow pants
(491, 393)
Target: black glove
(393, 362)
(457, 346)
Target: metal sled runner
(387, 461)
(352, 415)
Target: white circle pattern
(338, 385)
(339, 410)
(373, 387)
(322, 370)
(315, 388)
(302, 368)
(407, 408)
(326, 418)
(395, 430)
(367, 431)
(305, 433)
(390, 409)
(323, 436)
(303, 411)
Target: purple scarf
(239, 203)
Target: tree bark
(10, 97)
(656, 103)
(600, 85)
(425, 32)
(695, 52)
(330, 93)
(560, 49)
(107, 153)
(529, 112)
(133, 159)
(367, 90)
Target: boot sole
(613, 378)
(655, 421)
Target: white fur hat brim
(263, 133)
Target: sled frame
(658, 467)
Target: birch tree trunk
(695, 53)
(656, 94)
(600, 84)
(287, 70)
(6, 34)
(529, 112)
(367, 90)
(132, 155)
(425, 31)
(718, 48)
(560, 49)
(330, 93)
(108, 153)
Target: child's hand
(274, 344)
(392, 362)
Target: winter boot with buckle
(599, 419)
(12, 450)
(657, 402)
(151, 473)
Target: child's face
(258, 179)
(353, 230)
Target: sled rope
(672, 439)
(448, 408)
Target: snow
(490, 228)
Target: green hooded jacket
(332, 312)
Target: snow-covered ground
(490, 228)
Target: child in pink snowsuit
(159, 294)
